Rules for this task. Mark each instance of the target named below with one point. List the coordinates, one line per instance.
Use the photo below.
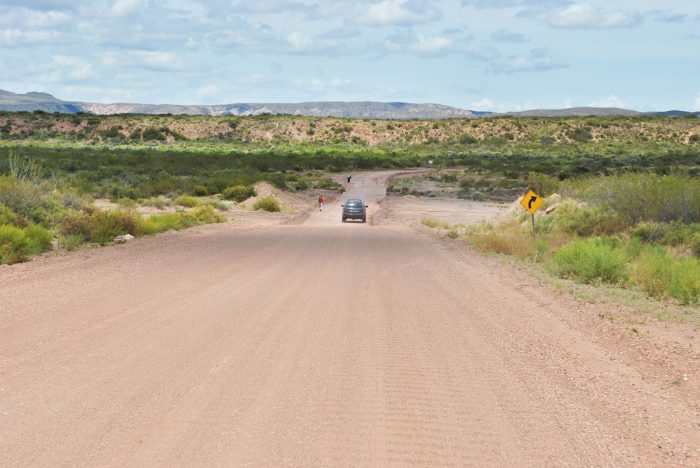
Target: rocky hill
(366, 109)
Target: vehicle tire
(343, 219)
(364, 220)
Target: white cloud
(300, 42)
(610, 101)
(400, 13)
(536, 60)
(127, 7)
(697, 102)
(431, 45)
(66, 66)
(18, 37)
(207, 90)
(33, 19)
(319, 85)
(483, 104)
(339, 82)
(585, 16)
(144, 59)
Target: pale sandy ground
(317, 343)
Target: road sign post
(531, 202)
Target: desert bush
(581, 134)
(27, 199)
(661, 275)
(7, 216)
(302, 184)
(544, 185)
(267, 204)
(433, 223)
(590, 260)
(238, 193)
(187, 201)
(200, 190)
(205, 215)
(176, 221)
(38, 239)
(695, 245)
(71, 242)
(588, 221)
(665, 233)
(157, 202)
(13, 245)
(100, 226)
(467, 139)
(642, 197)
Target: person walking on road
(320, 202)
(349, 177)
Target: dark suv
(354, 209)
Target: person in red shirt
(320, 202)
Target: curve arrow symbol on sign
(533, 199)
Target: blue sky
(479, 54)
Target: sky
(491, 55)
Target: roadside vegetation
(36, 212)
(53, 166)
(639, 231)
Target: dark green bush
(267, 204)
(16, 244)
(7, 216)
(665, 233)
(38, 239)
(642, 197)
(543, 184)
(238, 193)
(590, 260)
(13, 245)
(589, 221)
(581, 134)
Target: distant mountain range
(366, 109)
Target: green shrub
(71, 242)
(7, 216)
(302, 184)
(205, 215)
(13, 245)
(588, 221)
(108, 225)
(467, 139)
(157, 202)
(238, 193)
(185, 200)
(581, 134)
(544, 185)
(200, 190)
(100, 226)
(38, 239)
(665, 233)
(153, 134)
(27, 199)
(642, 197)
(590, 260)
(267, 204)
(695, 245)
(661, 275)
(176, 221)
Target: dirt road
(319, 344)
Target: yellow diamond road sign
(531, 201)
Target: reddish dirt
(327, 344)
